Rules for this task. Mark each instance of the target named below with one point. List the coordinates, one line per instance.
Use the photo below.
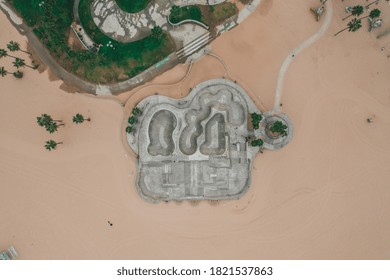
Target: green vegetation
(136, 111)
(51, 20)
(133, 119)
(216, 14)
(3, 72)
(18, 63)
(48, 123)
(352, 26)
(13, 46)
(4, 53)
(356, 11)
(44, 119)
(51, 145)
(18, 74)
(256, 118)
(257, 143)
(132, 6)
(209, 15)
(279, 128)
(116, 59)
(78, 118)
(53, 127)
(179, 14)
(375, 13)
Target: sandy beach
(324, 196)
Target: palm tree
(136, 111)
(157, 32)
(52, 127)
(257, 143)
(256, 118)
(3, 72)
(375, 13)
(352, 26)
(279, 128)
(78, 118)
(129, 129)
(21, 63)
(356, 11)
(132, 120)
(51, 145)
(44, 120)
(4, 53)
(18, 74)
(14, 47)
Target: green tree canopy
(279, 128)
(136, 111)
(375, 13)
(18, 74)
(4, 53)
(44, 120)
(352, 26)
(79, 118)
(256, 118)
(257, 143)
(157, 32)
(13, 46)
(51, 145)
(132, 120)
(18, 63)
(3, 72)
(51, 127)
(356, 11)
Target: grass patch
(209, 15)
(179, 14)
(132, 6)
(115, 61)
(33, 11)
(217, 14)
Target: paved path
(84, 86)
(129, 27)
(297, 50)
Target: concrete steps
(195, 45)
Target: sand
(324, 196)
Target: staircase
(195, 45)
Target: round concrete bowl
(161, 128)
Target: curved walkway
(297, 50)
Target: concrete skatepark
(196, 148)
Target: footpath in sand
(325, 195)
